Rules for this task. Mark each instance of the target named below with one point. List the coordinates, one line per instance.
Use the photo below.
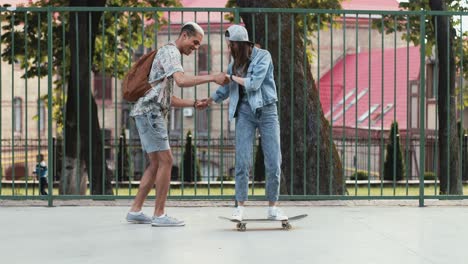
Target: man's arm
(179, 102)
(183, 80)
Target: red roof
(204, 3)
(14, 2)
(202, 17)
(384, 5)
(394, 93)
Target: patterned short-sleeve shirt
(166, 62)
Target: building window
(176, 120)
(368, 113)
(202, 122)
(41, 115)
(203, 58)
(139, 51)
(102, 87)
(18, 114)
(414, 103)
(107, 143)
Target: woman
(252, 93)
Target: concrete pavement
(331, 234)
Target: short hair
(191, 28)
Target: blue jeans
(266, 120)
(152, 131)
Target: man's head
(40, 158)
(190, 37)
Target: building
(213, 133)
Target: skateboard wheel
(238, 225)
(241, 227)
(286, 226)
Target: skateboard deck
(285, 224)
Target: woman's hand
(203, 103)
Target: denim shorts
(152, 129)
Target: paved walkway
(330, 235)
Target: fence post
(49, 107)
(422, 107)
(236, 16)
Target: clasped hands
(220, 79)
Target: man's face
(190, 44)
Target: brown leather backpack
(135, 84)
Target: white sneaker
(166, 221)
(274, 213)
(238, 213)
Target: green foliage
(393, 166)
(313, 21)
(429, 176)
(259, 168)
(190, 161)
(360, 174)
(24, 37)
(225, 178)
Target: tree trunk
(311, 164)
(450, 182)
(83, 138)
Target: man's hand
(203, 103)
(221, 79)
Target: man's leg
(146, 182)
(43, 185)
(163, 179)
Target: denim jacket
(259, 84)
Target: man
(41, 174)
(150, 113)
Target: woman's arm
(259, 72)
(236, 79)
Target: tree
(394, 169)
(441, 34)
(314, 167)
(463, 134)
(103, 44)
(190, 162)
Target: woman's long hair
(240, 51)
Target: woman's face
(231, 46)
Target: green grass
(361, 190)
(125, 191)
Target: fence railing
(368, 70)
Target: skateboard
(285, 224)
